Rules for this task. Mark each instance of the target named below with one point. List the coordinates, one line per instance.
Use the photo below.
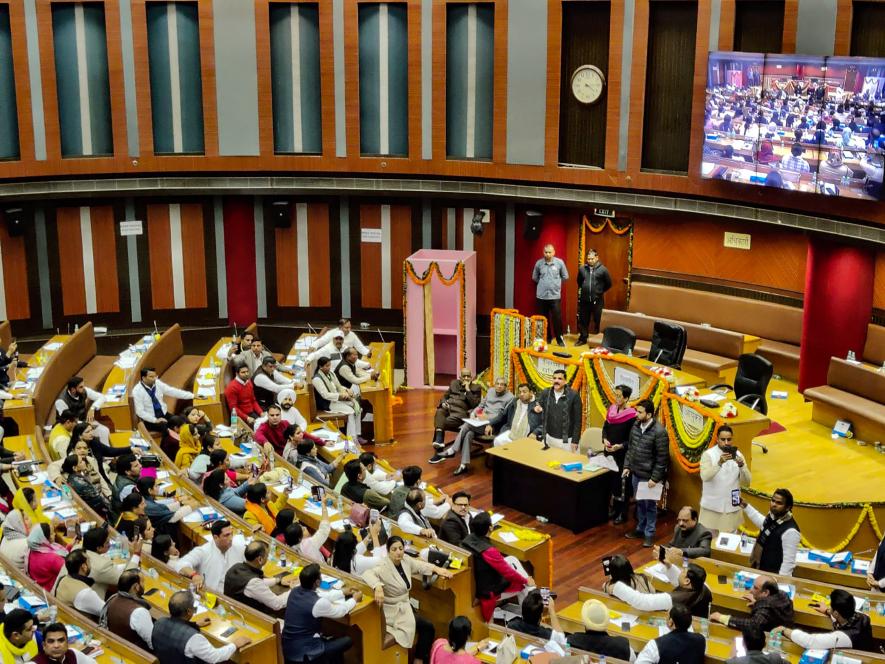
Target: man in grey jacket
(689, 536)
(647, 459)
(549, 273)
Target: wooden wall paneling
(22, 82)
(413, 16)
(352, 76)
(694, 247)
(15, 274)
(194, 247)
(613, 85)
(286, 263)
(487, 267)
(370, 258)
(143, 78)
(672, 42)
(499, 107)
(878, 282)
(159, 251)
(791, 19)
(637, 87)
(759, 26)
(438, 121)
(867, 28)
(207, 75)
(262, 61)
(320, 264)
(115, 78)
(47, 77)
(400, 249)
(842, 45)
(104, 249)
(554, 47)
(70, 244)
(585, 35)
(327, 78)
(726, 26)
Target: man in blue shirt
(549, 273)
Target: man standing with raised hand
(549, 273)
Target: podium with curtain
(439, 314)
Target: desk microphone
(312, 331)
(380, 335)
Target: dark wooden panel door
(868, 29)
(759, 26)
(666, 129)
(585, 27)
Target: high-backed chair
(618, 339)
(751, 381)
(668, 344)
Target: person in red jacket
(273, 429)
(240, 397)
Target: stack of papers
(728, 542)
(53, 346)
(314, 508)
(298, 493)
(601, 461)
(126, 360)
(495, 518)
(507, 536)
(34, 374)
(66, 513)
(205, 392)
(658, 572)
(223, 352)
(620, 619)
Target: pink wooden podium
(448, 279)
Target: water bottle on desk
(234, 422)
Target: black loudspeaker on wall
(533, 223)
(14, 217)
(281, 213)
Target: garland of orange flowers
(423, 280)
(499, 345)
(593, 367)
(522, 369)
(677, 436)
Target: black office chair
(618, 339)
(668, 343)
(750, 382)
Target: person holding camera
(723, 472)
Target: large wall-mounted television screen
(804, 123)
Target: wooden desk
(522, 479)
(813, 571)
(117, 406)
(380, 393)
(751, 343)
(21, 408)
(226, 613)
(728, 600)
(115, 650)
(498, 633)
(720, 643)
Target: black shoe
(618, 520)
(560, 341)
(634, 534)
(460, 470)
(648, 542)
(581, 341)
(439, 457)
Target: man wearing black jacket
(648, 457)
(593, 281)
(560, 410)
(456, 526)
(769, 607)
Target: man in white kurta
(723, 472)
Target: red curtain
(561, 228)
(838, 305)
(239, 261)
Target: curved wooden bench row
(853, 392)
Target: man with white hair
(345, 327)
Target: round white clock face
(588, 82)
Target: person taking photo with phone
(723, 472)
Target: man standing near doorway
(549, 273)
(593, 282)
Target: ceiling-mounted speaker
(15, 221)
(533, 222)
(281, 213)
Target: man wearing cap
(595, 638)
(267, 382)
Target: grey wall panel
(816, 27)
(526, 81)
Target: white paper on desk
(507, 536)
(193, 517)
(644, 493)
(312, 508)
(19, 385)
(658, 571)
(38, 478)
(207, 372)
(728, 542)
(222, 352)
(495, 518)
(326, 434)
(34, 374)
(337, 525)
(206, 382)
(602, 461)
(475, 421)
(628, 618)
(713, 396)
(126, 361)
(858, 603)
(205, 392)
(53, 345)
(747, 545)
(222, 431)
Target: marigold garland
(524, 370)
(507, 330)
(865, 512)
(687, 449)
(423, 280)
(604, 395)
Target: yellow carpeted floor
(806, 460)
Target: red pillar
(838, 305)
(239, 260)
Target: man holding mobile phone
(723, 472)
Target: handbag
(359, 515)
(507, 651)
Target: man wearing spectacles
(723, 472)
(456, 526)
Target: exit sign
(604, 212)
(737, 240)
